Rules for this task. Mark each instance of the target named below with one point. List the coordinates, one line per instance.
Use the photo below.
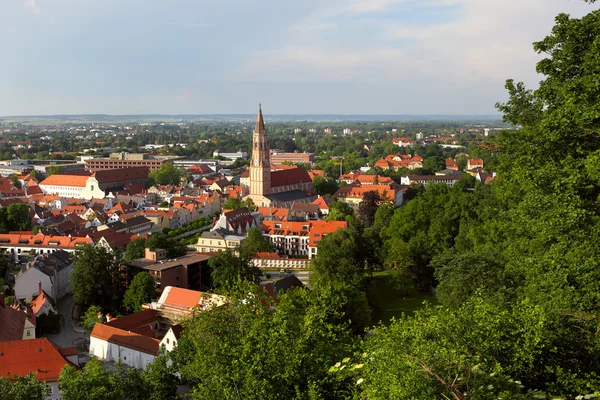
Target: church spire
(260, 122)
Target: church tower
(260, 169)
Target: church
(275, 188)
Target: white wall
(112, 352)
(169, 341)
(26, 285)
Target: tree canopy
(167, 174)
(141, 290)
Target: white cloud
(33, 6)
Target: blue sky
(294, 56)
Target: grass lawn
(392, 303)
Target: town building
(97, 185)
(125, 160)
(273, 261)
(46, 272)
(299, 238)
(21, 245)
(474, 163)
(277, 188)
(235, 221)
(278, 157)
(354, 194)
(397, 161)
(17, 324)
(217, 240)
(231, 155)
(190, 271)
(425, 180)
(403, 142)
(40, 357)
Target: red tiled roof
(65, 180)
(183, 297)
(41, 240)
(13, 322)
(357, 192)
(20, 357)
(120, 175)
(289, 177)
(125, 338)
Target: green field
(390, 302)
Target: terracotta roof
(41, 240)
(357, 191)
(13, 322)
(323, 202)
(187, 299)
(65, 180)
(125, 338)
(20, 357)
(134, 321)
(289, 177)
(314, 230)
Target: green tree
(142, 290)
(135, 249)
(18, 217)
(52, 170)
(247, 350)
(228, 269)
(324, 186)
(160, 241)
(368, 207)
(91, 317)
(339, 210)
(255, 242)
(16, 182)
(167, 174)
(23, 388)
(161, 380)
(95, 278)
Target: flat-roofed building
(278, 157)
(125, 160)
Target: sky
(293, 56)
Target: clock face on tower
(256, 162)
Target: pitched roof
(41, 240)
(65, 180)
(13, 322)
(357, 191)
(289, 177)
(323, 202)
(180, 298)
(20, 357)
(120, 175)
(125, 338)
(260, 122)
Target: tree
(18, 217)
(338, 259)
(135, 249)
(16, 182)
(339, 210)
(160, 241)
(91, 317)
(368, 207)
(123, 383)
(228, 269)
(142, 290)
(255, 242)
(23, 388)
(52, 170)
(324, 186)
(95, 278)
(247, 350)
(34, 174)
(232, 203)
(167, 174)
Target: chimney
(39, 287)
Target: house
(273, 261)
(398, 161)
(217, 240)
(132, 339)
(299, 238)
(403, 142)
(474, 163)
(21, 245)
(17, 324)
(190, 271)
(354, 194)
(451, 164)
(323, 202)
(39, 356)
(235, 221)
(178, 304)
(51, 271)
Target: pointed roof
(260, 122)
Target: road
(69, 335)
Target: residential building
(178, 304)
(217, 240)
(403, 142)
(353, 194)
(20, 245)
(190, 271)
(451, 164)
(273, 261)
(397, 161)
(40, 357)
(299, 238)
(17, 324)
(48, 272)
(235, 221)
(474, 163)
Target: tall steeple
(260, 169)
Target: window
(28, 332)
(167, 340)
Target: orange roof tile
(65, 180)
(20, 357)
